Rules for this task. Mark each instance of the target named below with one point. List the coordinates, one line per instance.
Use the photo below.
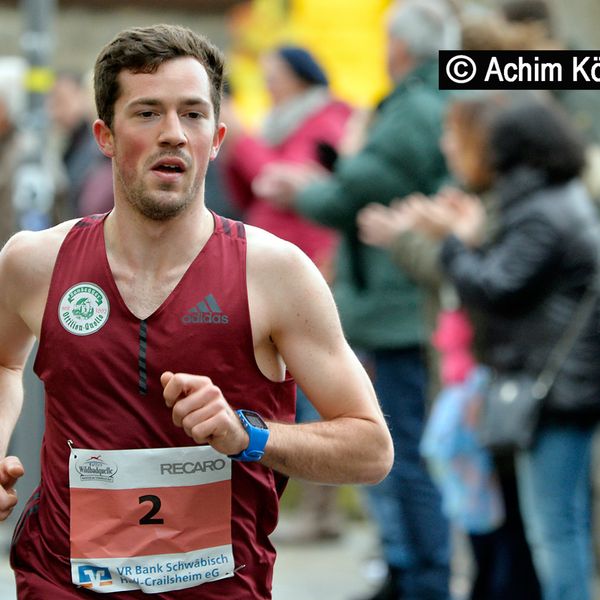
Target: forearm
(11, 401)
(343, 450)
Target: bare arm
(25, 269)
(352, 443)
(15, 344)
(292, 307)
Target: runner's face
(163, 137)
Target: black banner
(520, 70)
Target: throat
(147, 268)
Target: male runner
(167, 340)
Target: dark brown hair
(143, 50)
(538, 134)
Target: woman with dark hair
(503, 566)
(524, 286)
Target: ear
(104, 138)
(218, 138)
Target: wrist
(258, 435)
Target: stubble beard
(150, 205)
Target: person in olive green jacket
(380, 307)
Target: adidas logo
(206, 311)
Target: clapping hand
(451, 211)
(279, 182)
(379, 225)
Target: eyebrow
(155, 102)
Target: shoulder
(27, 259)
(556, 205)
(417, 100)
(413, 117)
(326, 124)
(288, 291)
(271, 257)
(280, 270)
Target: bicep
(26, 265)
(309, 337)
(16, 340)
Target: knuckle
(187, 423)
(178, 417)
(197, 432)
(215, 394)
(187, 431)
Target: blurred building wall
(81, 33)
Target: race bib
(154, 520)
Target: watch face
(255, 420)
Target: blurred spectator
(530, 12)
(528, 25)
(12, 103)
(503, 564)
(524, 285)
(491, 31)
(381, 308)
(88, 172)
(216, 190)
(304, 125)
(582, 105)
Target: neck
(152, 246)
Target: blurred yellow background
(346, 36)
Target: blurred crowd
(458, 232)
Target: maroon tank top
(101, 367)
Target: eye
(146, 114)
(194, 115)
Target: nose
(172, 133)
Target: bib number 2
(148, 518)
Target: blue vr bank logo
(90, 576)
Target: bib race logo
(91, 576)
(94, 468)
(83, 309)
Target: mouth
(169, 167)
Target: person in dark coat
(525, 286)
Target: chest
(145, 294)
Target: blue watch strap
(258, 432)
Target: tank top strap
(229, 227)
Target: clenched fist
(200, 408)
(10, 471)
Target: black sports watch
(258, 432)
